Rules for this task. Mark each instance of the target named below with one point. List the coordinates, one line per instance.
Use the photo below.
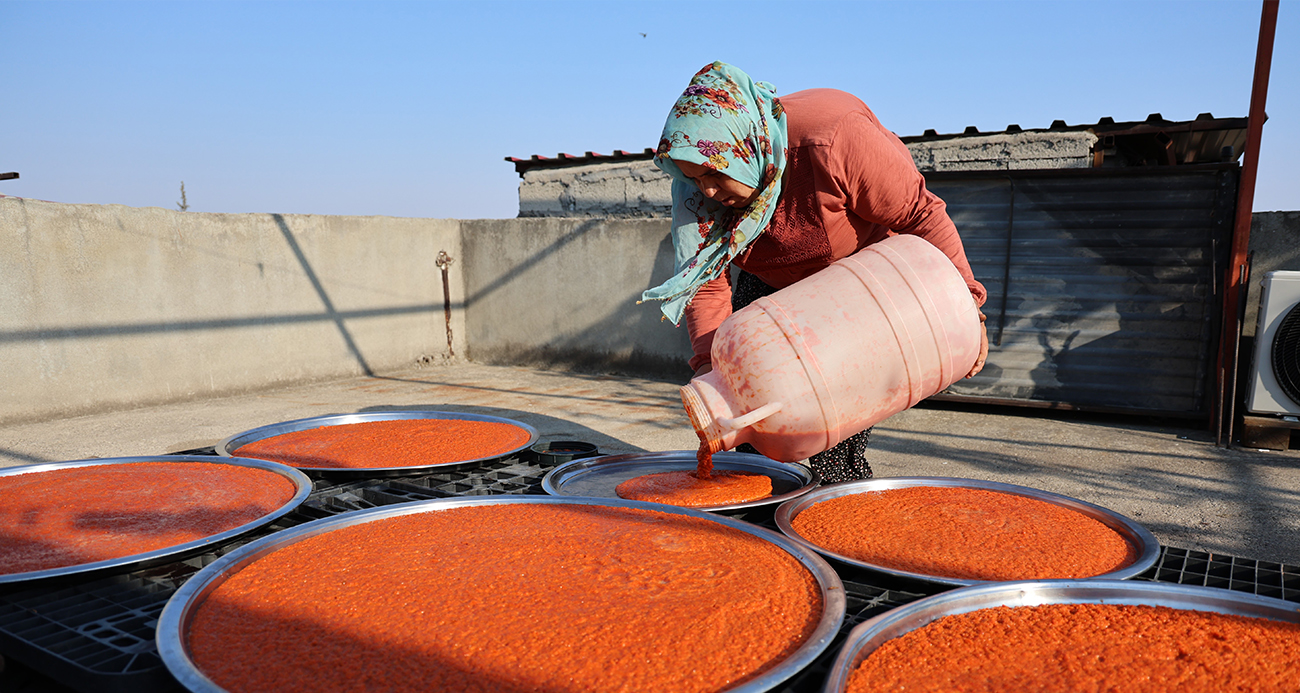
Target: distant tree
(183, 205)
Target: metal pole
(1006, 262)
(1236, 351)
(443, 261)
(1245, 199)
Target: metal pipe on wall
(1245, 200)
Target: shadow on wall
(331, 312)
(593, 329)
(1101, 290)
(572, 351)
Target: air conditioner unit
(1275, 374)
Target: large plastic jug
(798, 371)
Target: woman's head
(724, 146)
(717, 186)
(721, 129)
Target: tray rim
(869, 635)
(179, 610)
(1148, 547)
(723, 460)
(302, 485)
(228, 445)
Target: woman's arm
(705, 312)
(881, 184)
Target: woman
(783, 188)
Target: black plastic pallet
(863, 601)
(1264, 578)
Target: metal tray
(229, 445)
(171, 553)
(1145, 543)
(596, 477)
(177, 615)
(870, 635)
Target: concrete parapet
(1274, 245)
(111, 306)
(1003, 152)
(621, 189)
(564, 292)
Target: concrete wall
(1005, 152)
(1275, 242)
(621, 189)
(639, 189)
(106, 307)
(564, 292)
(110, 306)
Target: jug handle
(753, 417)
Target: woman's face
(718, 186)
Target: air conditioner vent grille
(1286, 354)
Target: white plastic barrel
(796, 372)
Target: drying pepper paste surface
(688, 489)
(77, 515)
(511, 597)
(969, 534)
(394, 443)
(1087, 647)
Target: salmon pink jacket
(849, 182)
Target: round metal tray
(177, 615)
(868, 636)
(596, 477)
(230, 445)
(1143, 542)
(301, 483)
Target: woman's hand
(984, 349)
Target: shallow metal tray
(301, 483)
(1143, 541)
(868, 636)
(596, 477)
(229, 445)
(179, 612)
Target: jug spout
(714, 413)
(708, 404)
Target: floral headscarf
(727, 122)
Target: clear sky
(409, 108)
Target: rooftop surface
(1167, 475)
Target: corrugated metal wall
(1103, 283)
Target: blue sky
(409, 108)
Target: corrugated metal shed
(1102, 282)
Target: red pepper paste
(394, 443)
(76, 515)
(513, 597)
(1087, 647)
(969, 534)
(692, 491)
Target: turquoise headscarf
(730, 123)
